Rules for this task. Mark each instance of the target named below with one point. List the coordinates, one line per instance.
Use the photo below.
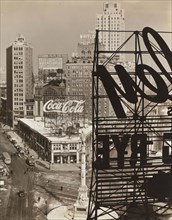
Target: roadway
(14, 207)
(42, 182)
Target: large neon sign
(139, 142)
(131, 89)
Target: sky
(54, 27)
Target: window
(106, 5)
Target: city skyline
(54, 27)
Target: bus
(6, 157)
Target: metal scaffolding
(131, 148)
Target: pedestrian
(61, 188)
(11, 172)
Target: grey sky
(55, 26)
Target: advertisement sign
(70, 106)
(133, 146)
(64, 113)
(50, 63)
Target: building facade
(20, 80)
(51, 67)
(3, 99)
(55, 149)
(79, 83)
(79, 74)
(112, 20)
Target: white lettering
(71, 106)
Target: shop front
(61, 150)
(65, 158)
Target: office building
(79, 75)
(112, 21)
(51, 67)
(20, 81)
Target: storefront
(66, 151)
(61, 150)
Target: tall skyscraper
(112, 19)
(20, 81)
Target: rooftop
(38, 126)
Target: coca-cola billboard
(64, 107)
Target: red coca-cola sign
(70, 106)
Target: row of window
(18, 72)
(18, 85)
(18, 76)
(29, 107)
(65, 147)
(18, 99)
(17, 54)
(18, 108)
(18, 103)
(18, 81)
(18, 48)
(18, 94)
(18, 58)
(18, 67)
(76, 75)
(83, 52)
(18, 90)
(108, 18)
(29, 113)
(59, 148)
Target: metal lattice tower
(124, 183)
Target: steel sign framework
(131, 148)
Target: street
(53, 187)
(14, 207)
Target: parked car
(8, 136)
(13, 141)
(1, 169)
(30, 162)
(17, 146)
(21, 151)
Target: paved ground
(55, 186)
